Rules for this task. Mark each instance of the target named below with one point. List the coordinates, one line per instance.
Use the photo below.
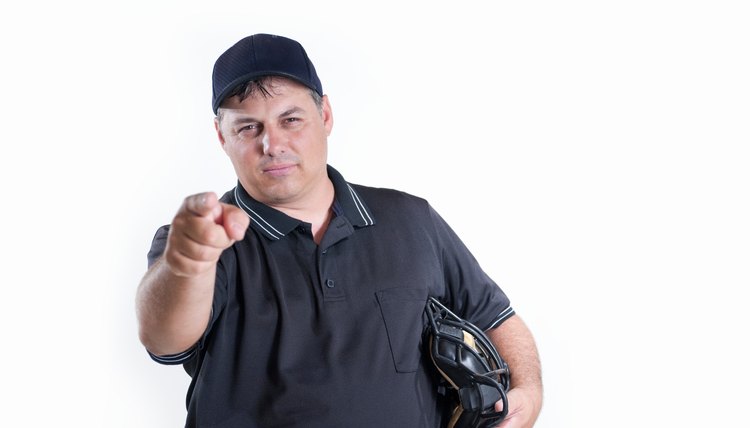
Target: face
(278, 144)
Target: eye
(251, 129)
(292, 121)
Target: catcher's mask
(468, 361)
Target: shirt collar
(274, 224)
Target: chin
(279, 194)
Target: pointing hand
(202, 228)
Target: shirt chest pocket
(403, 314)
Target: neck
(319, 229)
(317, 210)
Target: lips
(279, 170)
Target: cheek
(241, 153)
(311, 143)
(241, 144)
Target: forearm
(172, 310)
(516, 345)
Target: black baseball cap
(262, 55)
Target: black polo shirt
(329, 335)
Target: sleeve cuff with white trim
(174, 359)
(504, 315)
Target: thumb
(234, 220)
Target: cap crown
(262, 55)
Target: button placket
(330, 281)
(330, 285)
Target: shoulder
(375, 196)
(397, 208)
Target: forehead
(271, 92)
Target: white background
(592, 154)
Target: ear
(217, 126)
(327, 115)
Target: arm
(173, 301)
(516, 345)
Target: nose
(273, 142)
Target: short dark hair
(263, 86)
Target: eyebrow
(242, 120)
(249, 119)
(291, 111)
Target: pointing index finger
(201, 204)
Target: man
(297, 299)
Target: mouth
(279, 170)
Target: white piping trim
(256, 217)
(358, 204)
(176, 358)
(502, 317)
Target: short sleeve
(470, 292)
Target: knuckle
(178, 223)
(176, 263)
(189, 261)
(208, 235)
(205, 253)
(187, 203)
